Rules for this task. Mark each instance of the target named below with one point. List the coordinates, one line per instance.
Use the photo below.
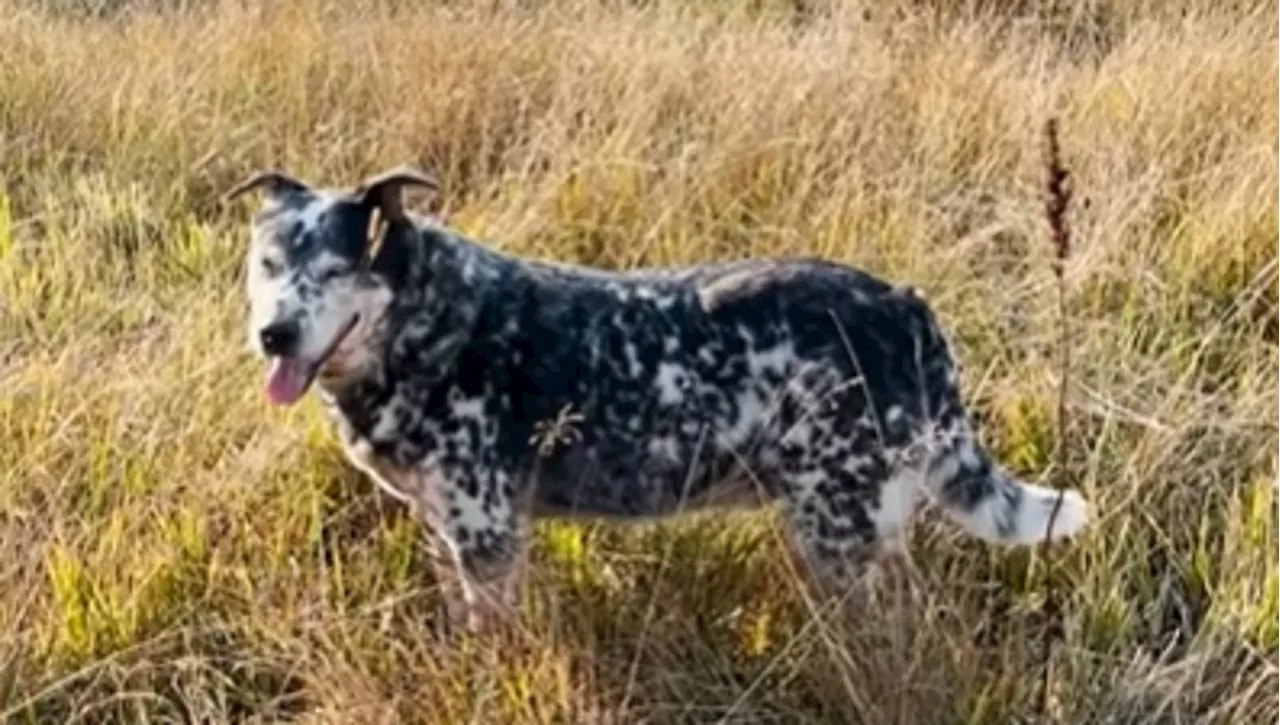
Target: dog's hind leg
(843, 521)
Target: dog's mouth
(289, 377)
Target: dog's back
(677, 388)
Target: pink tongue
(287, 380)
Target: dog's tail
(987, 502)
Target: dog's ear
(385, 191)
(274, 182)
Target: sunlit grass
(175, 549)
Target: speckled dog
(486, 390)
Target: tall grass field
(173, 549)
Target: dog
(487, 390)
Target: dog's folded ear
(274, 182)
(385, 191)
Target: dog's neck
(433, 284)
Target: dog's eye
(270, 266)
(329, 274)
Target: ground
(174, 549)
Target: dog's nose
(279, 338)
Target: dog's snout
(280, 338)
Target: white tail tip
(1036, 518)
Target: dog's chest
(416, 481)
(417, 431)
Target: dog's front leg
(491, 585)
(488, 538)
(479, 585)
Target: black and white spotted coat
(801, 381)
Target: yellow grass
(172, 549)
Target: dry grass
(173, 550)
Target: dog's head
(313, 302)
